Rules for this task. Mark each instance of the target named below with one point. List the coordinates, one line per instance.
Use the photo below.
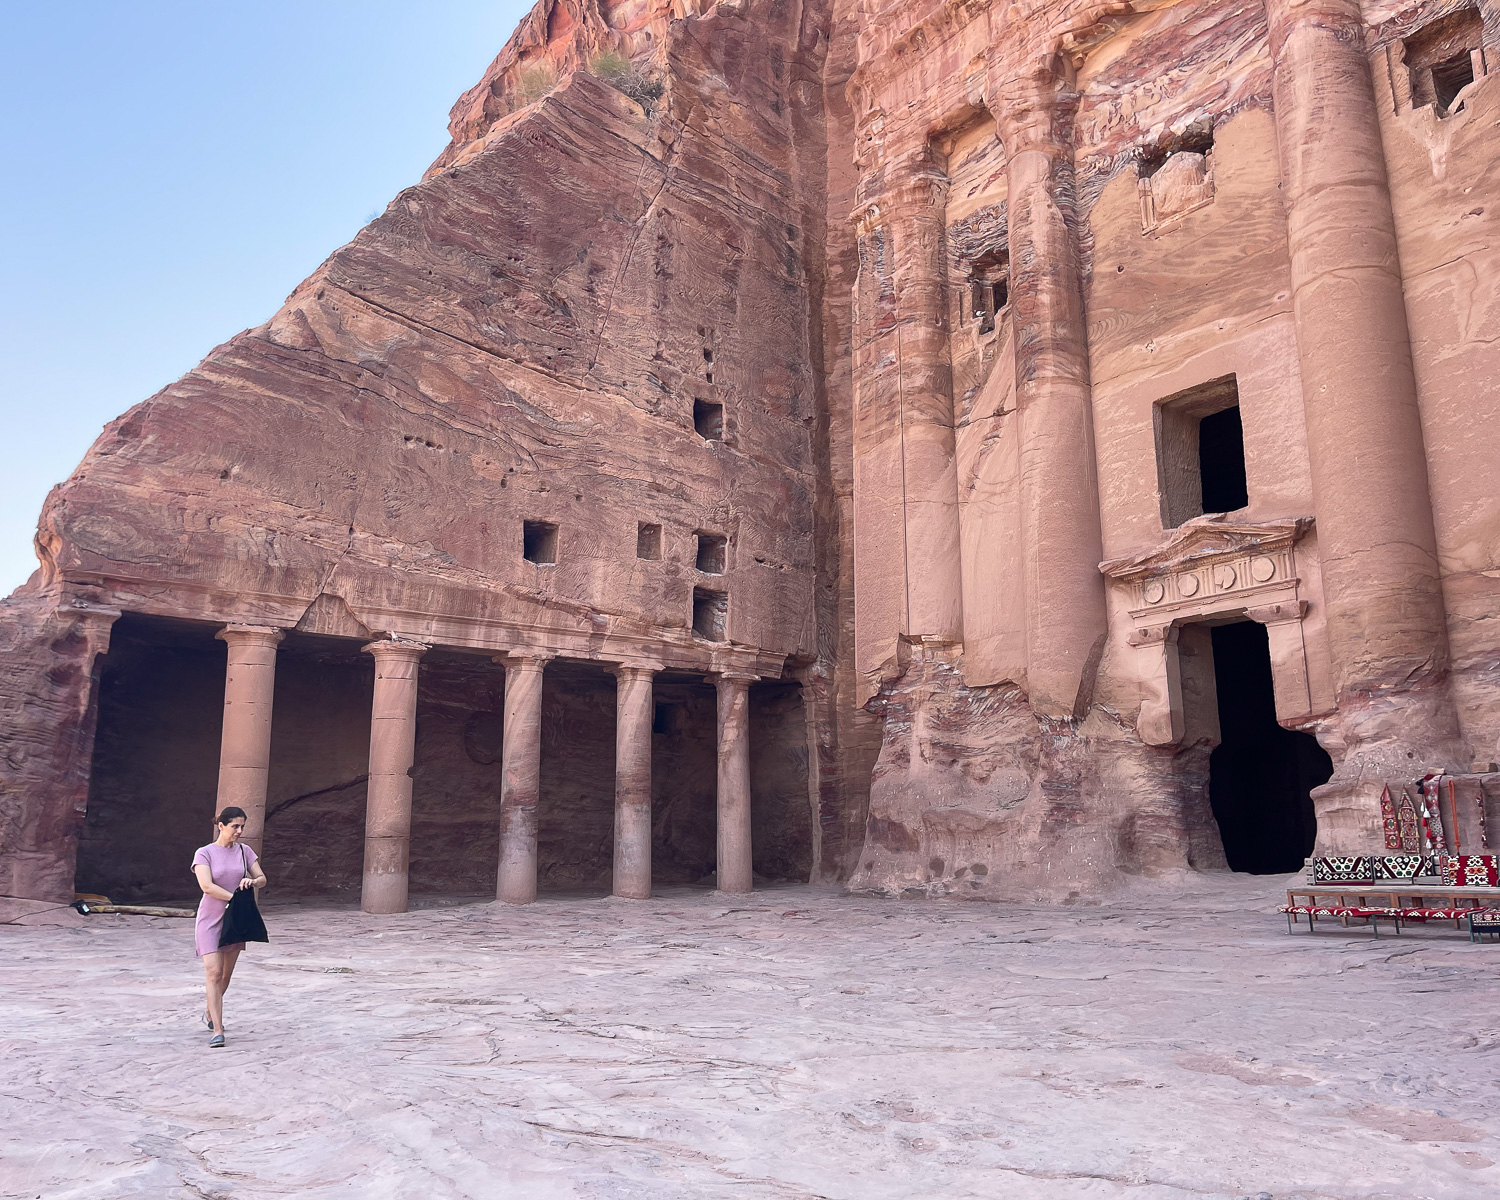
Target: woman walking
(223, 867)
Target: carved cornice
(1210, 564)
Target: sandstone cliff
(923, 316)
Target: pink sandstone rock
(1065, 414)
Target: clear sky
(173, 168)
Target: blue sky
(173, 170)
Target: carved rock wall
(1172, 186)
(522, 336)
(962, 282)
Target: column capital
(733, 678)
(267, 635)
(1276, 614)
(630, 670)
(526, 659)
(1026, 107)
(397, 648)
(1340, 20)
(1153, 635)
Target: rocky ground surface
(794, 1043)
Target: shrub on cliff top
(534, 83)
(624, 76)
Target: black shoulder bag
(242, 921)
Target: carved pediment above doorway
(1212, 569)
(1210, 564)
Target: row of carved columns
(1065, 614)
(1386, 620)
(245, 756)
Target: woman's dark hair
(232, 814)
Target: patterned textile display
(1406, 820)
(1337, 910)
(1346, 868)
(1483, 922)
(1433, 914)
(1429, 787)
(1405, 866)
(1389, 820)
(1470, 870)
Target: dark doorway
(155, 772)
(1221, 461)
(1260, 775)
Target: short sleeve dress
(227, 868)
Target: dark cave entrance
(684, 783)
(1260, 775)
(154, 775)
(155, 771)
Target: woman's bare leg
(214, 978)
(230, 957)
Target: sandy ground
(794, 1044)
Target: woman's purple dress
(227, 868)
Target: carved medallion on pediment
(1210, 564)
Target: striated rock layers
(1054, 429)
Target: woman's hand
(246, 882)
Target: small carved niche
(710, 613)
(708, 420)
(1444, 57)
(1200, 452)
(989, 288)
(648, 540)
(712, 548)
(539, 542)
(1176, 176)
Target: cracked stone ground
(794, 1044)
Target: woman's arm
(206, 882)
(256, 878)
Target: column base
(383, 890)
(515, 896)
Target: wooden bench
(1418, 902)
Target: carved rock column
(934, 583)
(1161, 722)
(1065, 614)
(1288, 649)
(245, 744)
(520, 778)
(393, 740)
(735, 863)
(1386, 623)
(907, 545)
(633, 719)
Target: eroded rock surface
(799, 1044)
(957, 373)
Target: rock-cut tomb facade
(945, 448)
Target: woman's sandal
(208, 1021)
(216, 1041)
